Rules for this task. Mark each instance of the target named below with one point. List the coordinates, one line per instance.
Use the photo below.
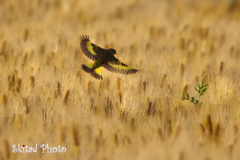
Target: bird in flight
(102, 58)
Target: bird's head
(112, 51)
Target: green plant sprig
(201, 89)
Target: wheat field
(47, 98)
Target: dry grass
(47, 98)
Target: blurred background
(47, 98)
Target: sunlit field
(45, 96)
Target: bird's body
(102, 58)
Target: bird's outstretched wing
(116, 66)
(88, 48)
(95, 72)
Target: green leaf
(205, 86)
(204, 89)
(196, 102)
(196, 89)
(201, 89)
(192, 99)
